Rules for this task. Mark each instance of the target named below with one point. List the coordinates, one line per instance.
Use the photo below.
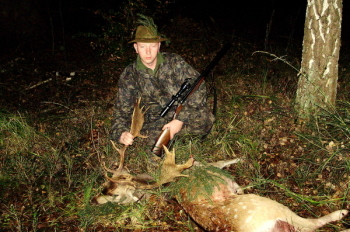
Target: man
(156, 77)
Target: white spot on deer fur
(244, 207)
(235, 217)
(255, 203)
(240, 203)
(235, 210)
(248, 219)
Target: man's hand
(126, 138)
(175, 126)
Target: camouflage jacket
(156, 89)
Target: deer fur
(253, 213)
(228, 209)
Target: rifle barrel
(206, 72)
(216, 59)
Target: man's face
(148, 53)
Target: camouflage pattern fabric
(156, 89)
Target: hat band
(143, 38)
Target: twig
(59, 104)
(278, 58)
(268, 29)
(303, 197)
(40, 83)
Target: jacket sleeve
(124, 104)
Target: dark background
(32, 26)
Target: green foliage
(15, 133)
(201, 183)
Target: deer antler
(169, 170)
(121, 152)
(137, 120)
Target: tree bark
(318, 77)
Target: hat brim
(143, 40)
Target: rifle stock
(163, 139)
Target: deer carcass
(225, 209)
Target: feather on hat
(147, 31)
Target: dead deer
(227, 209)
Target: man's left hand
(175, 126)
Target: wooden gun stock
(163, 139)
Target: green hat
(147, 35)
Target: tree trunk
(317, 85)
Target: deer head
(126, 188)
(121, 188)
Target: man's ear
(135, 46)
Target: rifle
(180, 97)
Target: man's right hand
(126, 138)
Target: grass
(51, 154)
